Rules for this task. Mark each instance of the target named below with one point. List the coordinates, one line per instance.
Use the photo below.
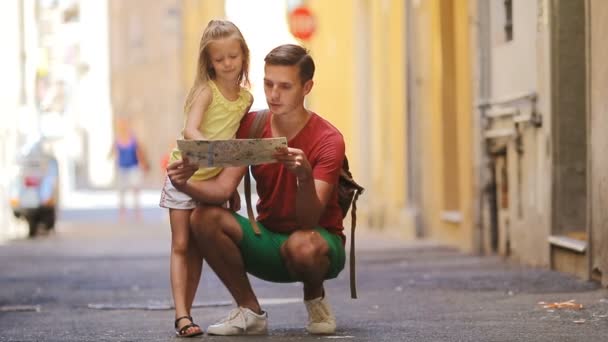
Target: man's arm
(312, 194)
(311, 198)
(213, 191)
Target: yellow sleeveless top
(221, 121)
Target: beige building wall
(517, 81)
(597, 12)
(196, 14)
(528, 163)
(146, 74)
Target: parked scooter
(34, 190)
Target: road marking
(152, 306)
(279, 301)
(339, 336)
(19, 308)
(170, 306)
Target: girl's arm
(216, 190)
(197, 112)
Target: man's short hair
(291, 54)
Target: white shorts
(129, 178)
(172, 198)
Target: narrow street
(95, 279)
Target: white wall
(513, 62)
(9, 107)
(93, 100)
(264, 26)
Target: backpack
(348, 193)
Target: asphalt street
(98, 279)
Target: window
(508, 26)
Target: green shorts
(262, 255)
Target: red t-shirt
(323, 145)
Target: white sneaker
(320, 318)
(241, 321)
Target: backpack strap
(353, 225)
(255, 132)
(349, 190)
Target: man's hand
(295, 161)
(234, 203)
(180, 171)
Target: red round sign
(301, 23)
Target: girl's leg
(180, 241)
(195, 266)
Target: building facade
(542, 151)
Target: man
(299, 216)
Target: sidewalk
(106, 199)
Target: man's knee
(204, 220)
(210, 222)
(305, 249)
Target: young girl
(214, 108)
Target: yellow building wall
(334, 46)
(388, 75)
(449, 94)
(465, 112)
(434, 163)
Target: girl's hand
(180, 171)
(295, 161)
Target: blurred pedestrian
(165, 160)
(214, 107)
(131, 165)
(298, 211)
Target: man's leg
(306, 256)
(218, 233)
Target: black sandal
(182, 332)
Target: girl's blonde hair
(215, 30)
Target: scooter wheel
(33, 227)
